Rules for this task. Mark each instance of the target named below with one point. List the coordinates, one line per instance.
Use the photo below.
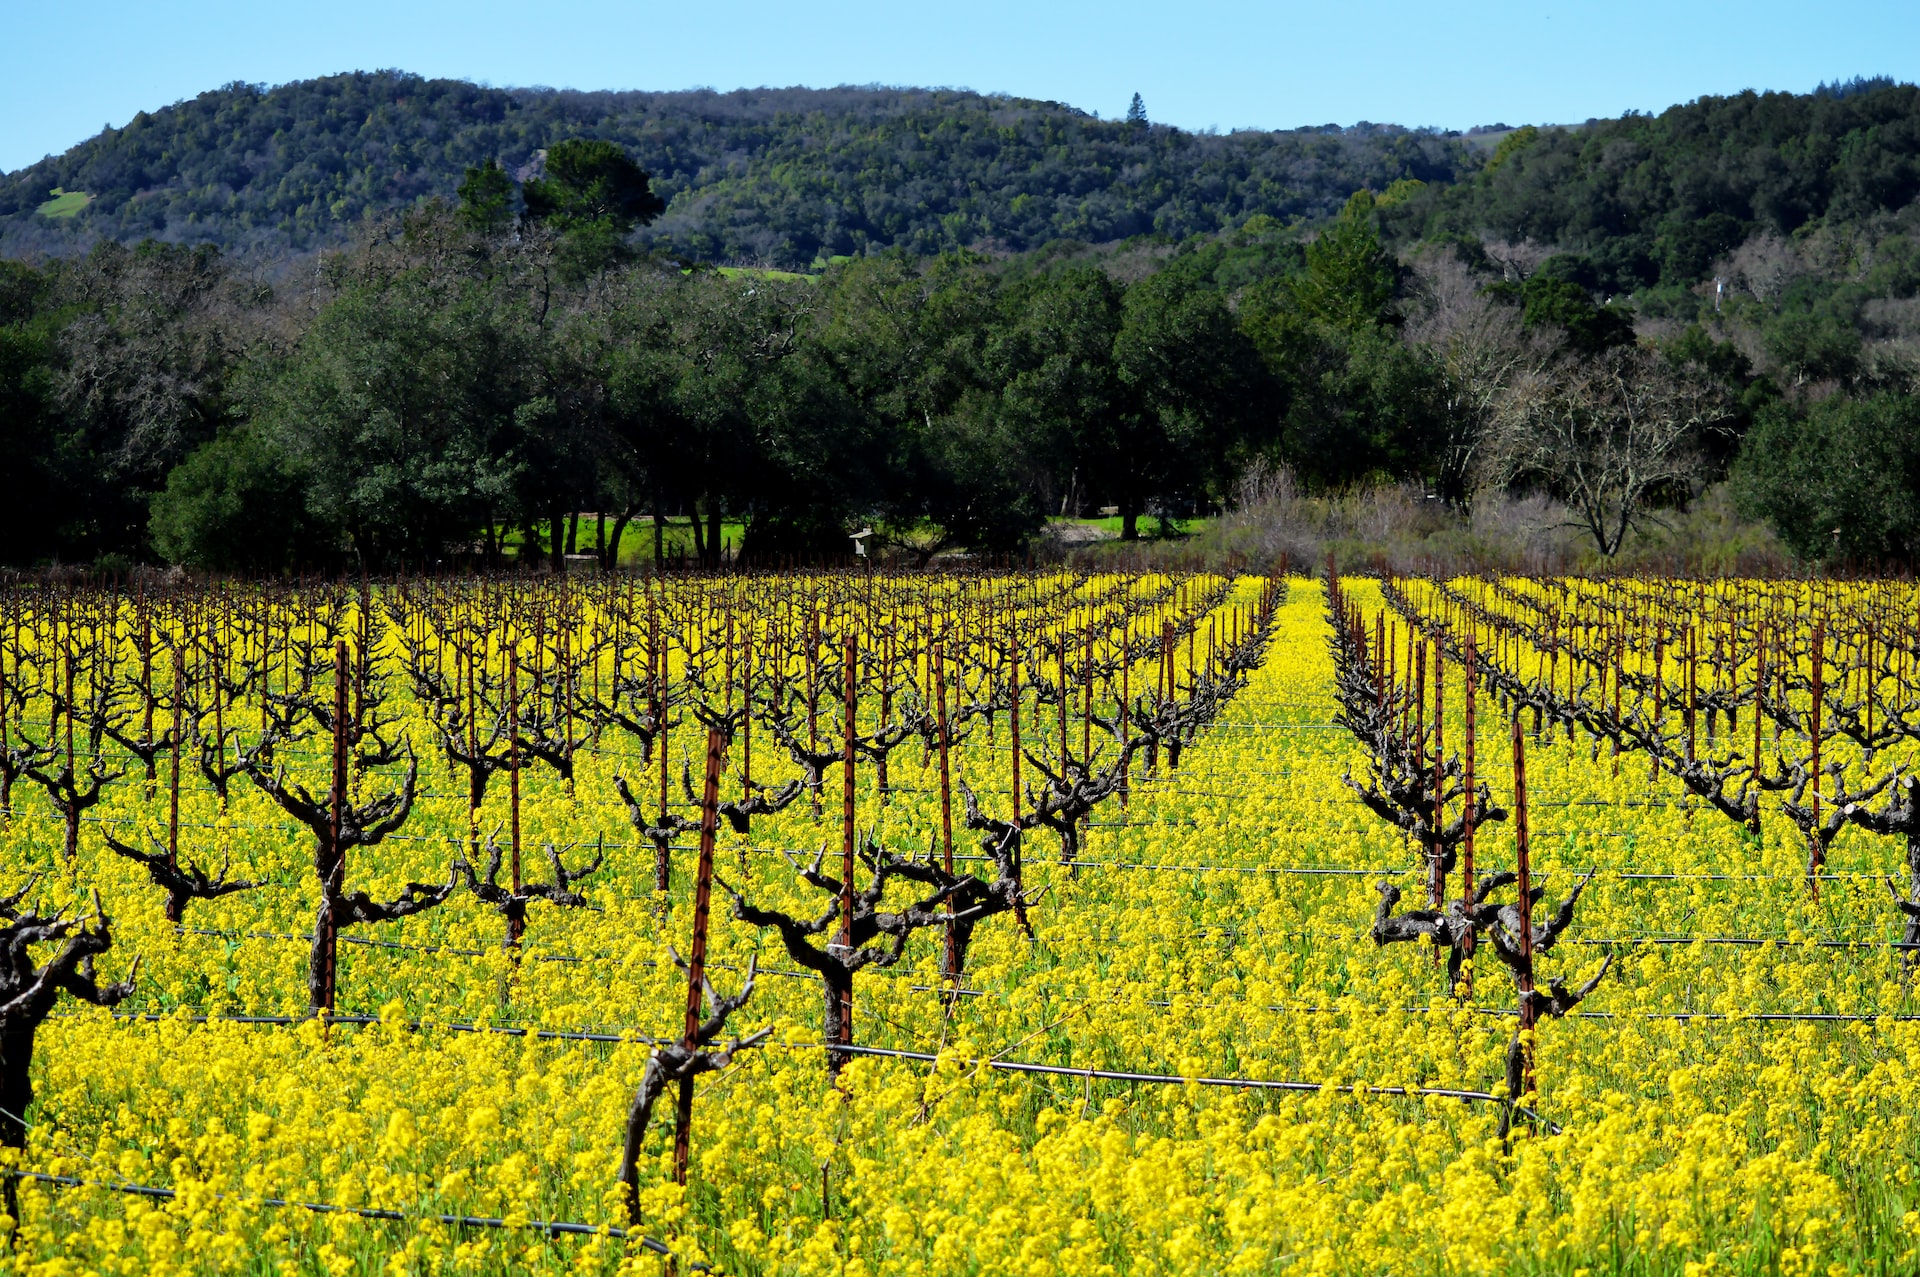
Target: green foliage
(1685, 249)
(1517, 140)
(1655, 198)
(1816, 335)
(593, 194)
(40, 454)
(1559, 304)
(236, 504)
(1350, 404)
(404, 410)
(786, 177)
(591, 185)
(486, 198)
(1349, 280)
(1839, 484)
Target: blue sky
(72, 68)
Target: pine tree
(1137, 112)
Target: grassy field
(64, 203)
(636, 544)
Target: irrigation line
(1654, 875)
(551, 1228)
(925, 1057)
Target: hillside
(1653, 201)
(783, 177)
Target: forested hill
(1654, 200)
(781, 176)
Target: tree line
(779, 177)
(469, 378)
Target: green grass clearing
(755, 272)
(1148, 525)
(636, 544)
(64, 203)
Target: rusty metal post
(1439, 893)
(173, 782)
(516, 922)
(1693, 694)
(1126, 725)
(946, 799)
(697, 955)
(847, 839)
(1817, 859)
(1523, 973)
(333, 878)
(1469, 800)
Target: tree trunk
(556, 544)
(652, 1082)
(321, 958)
(713, 531)
(836, 1029)
(573, 532)
(1129, 523)
(699, 534)
(16, 1084)
(659, 539)
(610, 558)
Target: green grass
(1149, 525)
(755, 272)
(636, 546)
(64, 203)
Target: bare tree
(1612, 436)
(1478, 348)
(1764, 266)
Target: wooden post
(846, 842)
(326, 931)
(1126, 725)
(886, 697)
(6, 774)
(1061, 654)
(1659, 696)
(1523, 972)
(175, 912)
(662, 856)
(1693, 693)
(1013, 719)
(746, 713)
(516, 923)
(1468, 800)
(1086, 697)
(1439, 893)
(697, 955)
(813, 694)
(946, 799)
(1818, 857)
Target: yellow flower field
(1214, 932)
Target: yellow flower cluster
(1216, 928)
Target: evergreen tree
(486, 198)
(1350, 279)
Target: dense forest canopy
(487, 312)
(1655, 199)
(779, 177)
